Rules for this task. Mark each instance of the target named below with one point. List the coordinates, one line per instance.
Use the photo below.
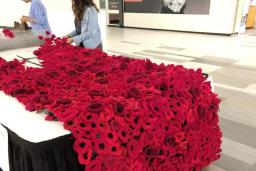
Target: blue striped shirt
(38, 13)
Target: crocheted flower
(95, 107)
(8, 33)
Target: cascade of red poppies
(125, 114)
(8, 33)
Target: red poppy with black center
(95, 107)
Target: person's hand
(24, 19)
(70, 41)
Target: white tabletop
(30, 126)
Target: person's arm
(71, 34)
(25, 19)
(87, 27)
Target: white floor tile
(205, 67)
(251, 89)
(239, 151)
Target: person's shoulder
(91, 9)
(37, 2)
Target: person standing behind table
(87, 33)
(37, 17)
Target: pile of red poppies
(8, 33)
(125, 114)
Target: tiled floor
(230, 60)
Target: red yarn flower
(8, 33)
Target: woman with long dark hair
(87, 33)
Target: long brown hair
(78, 7)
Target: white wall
(59, 12)
(60, 16)
(12, 10)
(221, 19)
